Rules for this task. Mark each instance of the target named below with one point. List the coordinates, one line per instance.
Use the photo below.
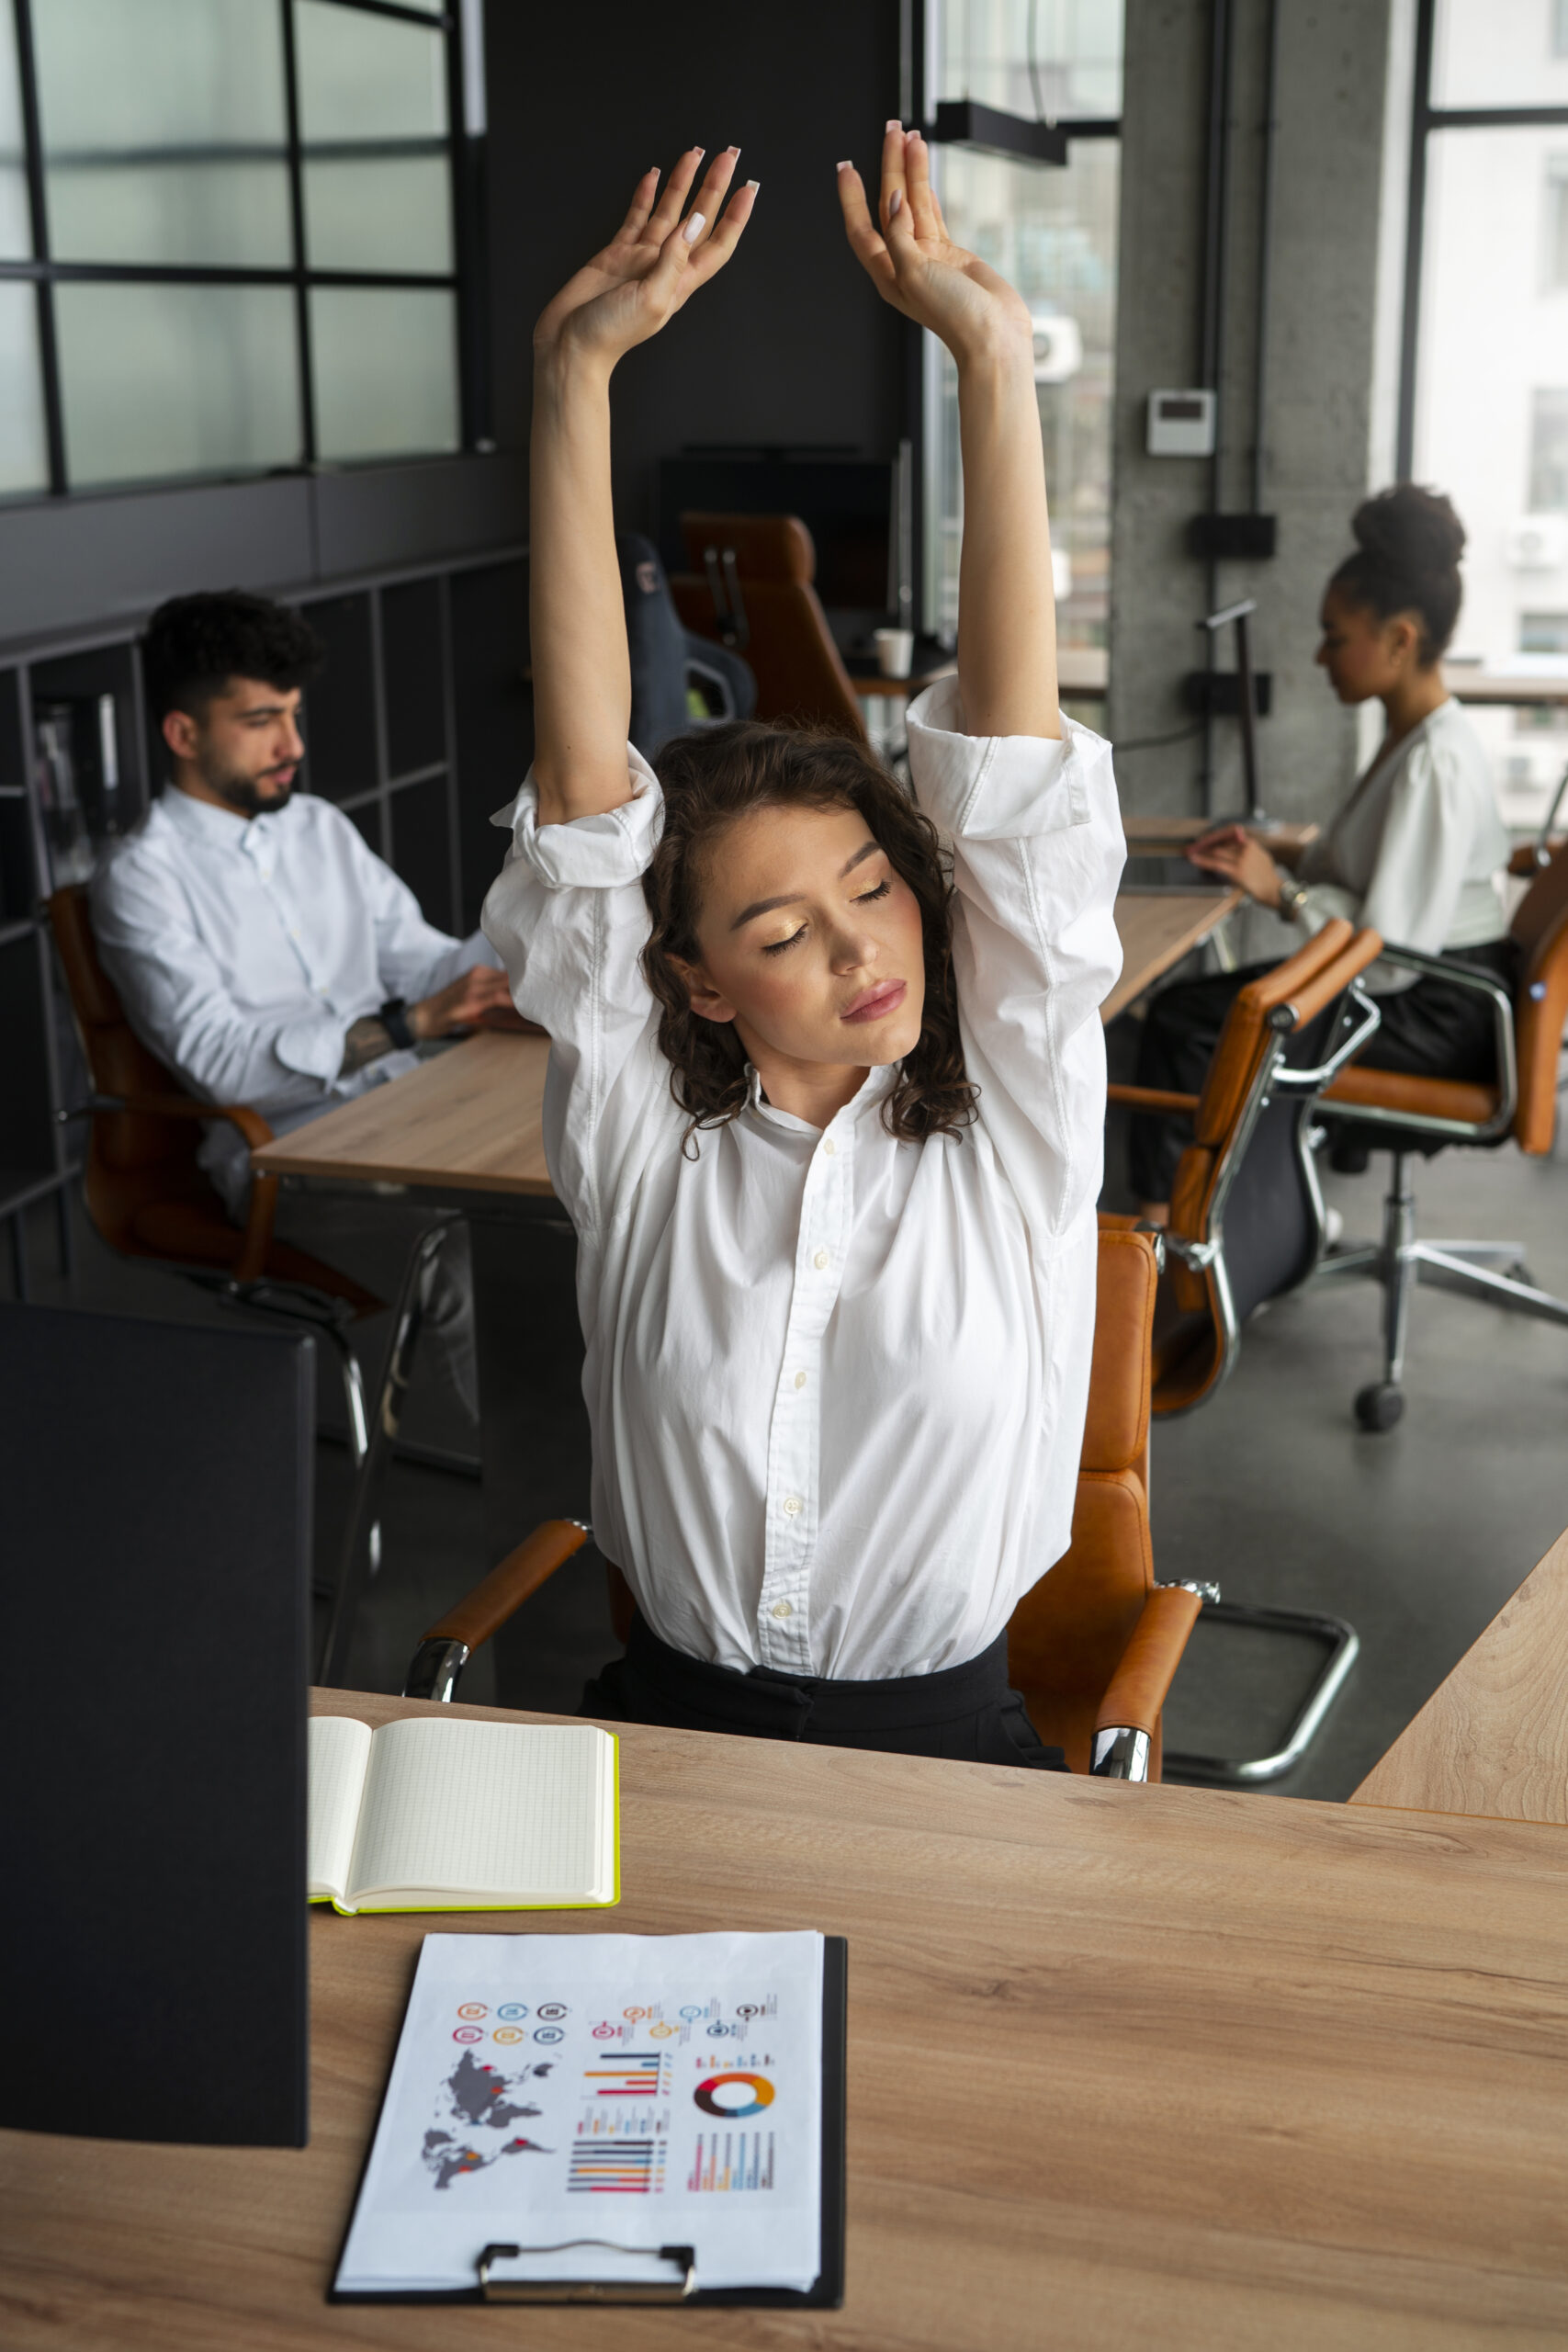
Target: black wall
(790, 344)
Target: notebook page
(492, 1810)
(339, 1758)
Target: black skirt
(966, 1713)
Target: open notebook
(426, 1815)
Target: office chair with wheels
(1247, 1224)
(750, 587)
(148, 1198)
(1093, 1647)
(1405, 1116)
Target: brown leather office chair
(1247, 1224)
(1409, 1115)
(750, 588)
(145, 1193)
(1093, 1647)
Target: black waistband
(782, 1704)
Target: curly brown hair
(708, 781)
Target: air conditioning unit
(1058, 348)
(1537, 542)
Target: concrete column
(1321, 351)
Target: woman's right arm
(581, 673)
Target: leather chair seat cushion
(1422, 1097)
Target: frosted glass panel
(386, 371)
(1500, 53)
(363, 77)
(24, 452)
(1072, 65)
(365, 213)
(164, 128)
(177, 380)
(16, 223)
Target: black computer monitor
(848, 504)
(155, 1502)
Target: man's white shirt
(243, 951)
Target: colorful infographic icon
(692, 2011)
(473, 2010)
(554, 2010)
(762, 2092)
(512, 2010)
(468, 2033)
(548, 2033)
(510, 2033)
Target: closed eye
(867, 896)
(777, 946)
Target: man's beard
(241, 793)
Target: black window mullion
(297, 218)
(1414, 239)
(466, 163)
(38, 202)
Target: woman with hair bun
(1417, 853)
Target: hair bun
(1409, 531)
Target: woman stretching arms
(829, 1132)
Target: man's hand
(654, 263)
(914, 264)
(462, 1005)
(1231, 852)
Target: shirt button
(793, 1506)
(800, 1380)
(821, 1260)
(829, 1146)
(782, 1609)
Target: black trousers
(966, 1713)
(1429, 1029)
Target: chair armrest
(1486, 984)
(447, 1647)
(251, 1259)
(1141, 1683)
(1151, 1098)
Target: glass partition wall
(1483, 409)
(1052, 231)
(227, 237)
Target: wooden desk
(467, 1121)
(1175, 2068)
(1157, 928)
(1147, 836)
(1494, 1737)
(1494, 686)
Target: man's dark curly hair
(708, 781)
(193, 645)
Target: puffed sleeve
(1038, 849)
(567, 917)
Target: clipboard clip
(588, 2290)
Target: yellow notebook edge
(604, 1902)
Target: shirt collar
(223, 828)
(878, 1084)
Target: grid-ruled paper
(339, 1758)
(518, 1811)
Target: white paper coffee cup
(895, 651)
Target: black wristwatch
(393, 1017)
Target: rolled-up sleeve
(567, 917)
(1038, 850)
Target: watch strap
(394, 1019)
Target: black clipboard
(827, 2294)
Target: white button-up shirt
(1418, 851)
(837, 1381)
(243, 950)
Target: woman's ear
(1403, 640)
(705, 998)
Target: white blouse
(1419, 850)
(837, 1381)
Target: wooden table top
(1188, 2067)
(469, 1119)
(1494, 1737)
(1146, 834)
(1496, 686)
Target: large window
(1484, 396)
(227, 237)
(1052, 231)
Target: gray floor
(1418, 1537)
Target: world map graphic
(475, 2112)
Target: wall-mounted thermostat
(1182, 424)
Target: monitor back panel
(155, 1490)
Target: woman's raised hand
(655, 262)
(914, 264)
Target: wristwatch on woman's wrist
(393, 1017)
(1290, 897)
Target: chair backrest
(1541, 1001)
(799, 671)
(663, 655)
(1244, 1178)
(1068, 1633)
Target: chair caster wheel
(1380, 1406)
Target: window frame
(1425, 118)
(464, 152)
